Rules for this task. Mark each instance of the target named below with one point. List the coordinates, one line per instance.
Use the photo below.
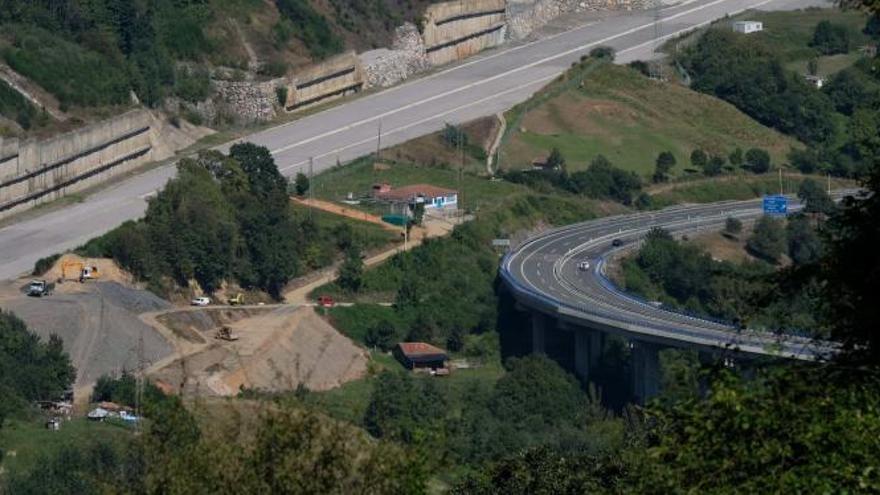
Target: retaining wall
(36, 171)
(459, 29)
(320, 83)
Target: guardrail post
(646, 371)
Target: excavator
(224, 333)
(78, 269)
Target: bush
(44, 264)
(830, 39)
(311, 28)
(757, 161)
(603, 53)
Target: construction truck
(224, 333)
(79, 270)
(40, 288)
(236, 300)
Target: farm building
(419, 355)
(433, 197)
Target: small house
(421, 356)
(748, 27)
(433, 197)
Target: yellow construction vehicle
(236, 300)
(77, 269)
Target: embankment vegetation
(228, 219)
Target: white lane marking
(506, 73)
(372, 139)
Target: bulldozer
(236, 300)
(224, 333)
(77, 269)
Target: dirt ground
(98, 322)
(278, 349)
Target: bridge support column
(646, 370)
(587, 351)
(540, 327)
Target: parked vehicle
(40, 288)
(326, 301)
(201, 301)
(236, 300)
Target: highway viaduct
(546, 277)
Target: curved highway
(544, 275)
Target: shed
(431, 196)
(748, 27)
(420, 355)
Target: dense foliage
(601, 179)
(310, 27)
(286, 451)
(222, 219)
(30, 369)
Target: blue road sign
(775, 205)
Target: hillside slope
(618, 112)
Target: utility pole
(139, 382)
(829, 183)
(379, 143)
(311, 185)
(781, 190)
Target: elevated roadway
(547, 277)
(483, 85)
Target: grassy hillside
(616, 111)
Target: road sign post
(775, 205)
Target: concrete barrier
(36, 171)
(459, 29)
(320, 83)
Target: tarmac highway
(480, 86)
(545, 275)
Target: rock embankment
(386, 67)
(525, 16)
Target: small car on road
(201, 301)
(617, 243)
(584, 265)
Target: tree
(603, 53)
(736, 157)
(732, 226)
(381, 335)
(814, 197)
(555, 161)
(757, 161)
(665, 162)
(813, 66)
(714, 166)
(400, 409)
(351, 273)
(830, 39)
(699, 159)
(768, 239)
(301, 184)
(804, 245)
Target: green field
(358, 178)
(24, 442)
(617, 112)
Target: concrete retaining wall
(320, 83)
(36, 171)
(459, 29)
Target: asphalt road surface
(480, 86)
(546, 273)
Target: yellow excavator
(78, 270)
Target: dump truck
(40, 288)
(224, 333)
(236, 300)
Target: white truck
(40, 288)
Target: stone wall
(524, 16)
(458, 29)
(384, 67)
(326, 81)
(36, 171)
(249, 101)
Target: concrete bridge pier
(587, 351)
(646, 370)
(541, 324)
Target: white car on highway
(584, 265)
(201, 301)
